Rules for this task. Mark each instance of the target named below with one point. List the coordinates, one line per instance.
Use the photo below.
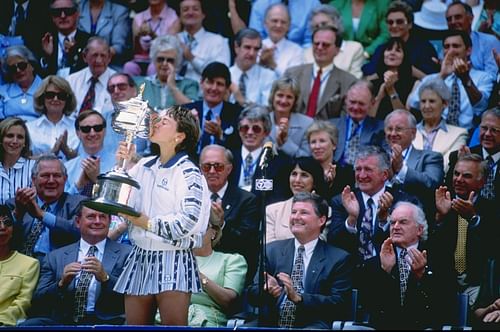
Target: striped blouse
(18, 176)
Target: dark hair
(401, 7)
(465, 6)
(319, 203)
(464, 35)
(16, 242)
(85, 114)
(256, 113)
(313, 167)
(404, 69)
(475, 158)
(8, 123)
(187, 123)
(129, 78)
(215, 70)
(248, 33)
(338, 37)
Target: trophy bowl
(112, 191)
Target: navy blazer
(109, 304)
(229, 123)
(339, 236)
(327, 284)
(371, 134)
(241, 226)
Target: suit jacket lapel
(228, 201)
(331, 89)
(305, 83)
(315, 267)
(109, 258)
(69, 256)
(413, 158)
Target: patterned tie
(64, 58)
(89, 99)
(247, 173)
(82, 290)
(190, 43)
(36, 229)
(353, 144)
(454, 107)
(287, 312)
(404, 272)
(214, 197)
(460, 253)
(488, 190)
(20, 20)
(365, 234)
(242, 85)
(313, 97)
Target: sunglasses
(120, 86)
(6, 221)
(255, 128)
(20, 66)
(399, 21)
(162, 59)
(206, 167)
(97, 128)
(68, 11)
(63, 96)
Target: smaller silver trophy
(112, 191)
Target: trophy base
(110, 207)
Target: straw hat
(432, 16)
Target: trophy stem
(129, 137)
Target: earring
(213, 238)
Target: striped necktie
(82, 290)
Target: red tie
(313, 97)
(88, 100)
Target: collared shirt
(401, 176)
(375, 198)
(166, 18)
(481, 55)
(255, 156)
(258, 83)
(44, 134)
(495, 157)
(43, 244)
(222, 191)
(15, 102)
(483, 82)
(60, 48)
(207, 47)
(325, 73)
(306, 255)
(80, 83)
(17, 176)
(99, 254)
(286, 54)
(430, 137)
(408, 257)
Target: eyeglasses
(97, 128)
(322, 44)
(20, 66)
(6, 221)
(397, 130)
(120, 86)
(493, 130)
(63, 96)
(399, 21)
(255, 128)
(68, 11)
(206, 167)
(162, 59)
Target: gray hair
(246, 33)
(228, 155)
(166, 43)
(47, 157)
(364, 152)
(282, 84)
(256, 113)
(475, 158)
(98, 40)
(436, 85)
(412, 122)
(278, 4)
(332, 13)
(326, 126)
(19, 51)
(363, 84)
(495, 111)
(418, 216)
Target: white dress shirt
(82, 252)
(286, 54)
(255, 155)
(258, 83)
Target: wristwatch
(204, 282)
(394, 96)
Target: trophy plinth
(112, 191)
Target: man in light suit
(55, 296)
(417, 172)
(237, 207)
(46, 202)
(218, 118)
(358, 102)
(333, 82)
(320, 296)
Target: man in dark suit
(34, 22)
(410, 285)
(356, 128)
(237, 207)
(254, 126)
(489, 147)
(308, 281)
(218, 118)
(64, 270)
(329, 83)
(46, 212)
(467, 224)
(63, 47)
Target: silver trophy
(113, 189)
